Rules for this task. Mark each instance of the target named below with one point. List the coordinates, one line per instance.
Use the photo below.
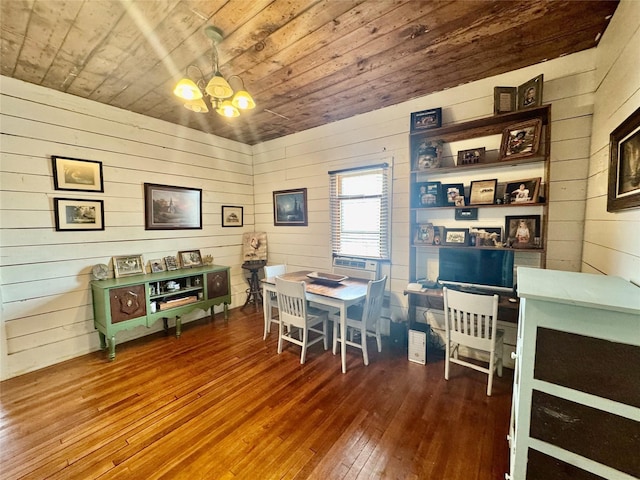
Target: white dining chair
(471, 321)
(363, 320)
(272, 301)
(295, 312)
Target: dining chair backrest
(274, 270)
(373, 303)
(471, 318)
(292, 302)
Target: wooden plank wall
(303, 160)
(612, 240)
(45, 275)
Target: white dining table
(338, 296)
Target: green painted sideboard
(128, 302)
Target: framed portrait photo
(624, 165)
(523, 191)
(504, 99)
(190, 258)
(76, 174)
(73, 214)
(521, 140)
(232, 216)
(456, 237)
(523, 231)
(453, 195)
(290, 207)
(126, 265)
(426, 119)
(157, 265)
(483, 192)
(172, 208)
(530, 93)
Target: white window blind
(360, 211)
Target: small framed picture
(74, 214)
(624, 165)
(456, 236)
(523, 231)
(157, 265)
(523, 191)
(530, 93)
(483, 192)
(126, 265)
(426, 119)
(488, 236)
(428, 194)
(76, 174)
(290, 207)
(521, 140)
(172, 262)
(190, 258)
(428, 155)
(504, 99)
(232, 216)
(472, 156)
(453, 194)
(424, 234)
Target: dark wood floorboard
(220, 403)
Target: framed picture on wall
(172, 208)
(76, 174)
(74, 214)
(232, 216)
(290, 207)
(624, 165)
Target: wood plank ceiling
(306, 62)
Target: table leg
(103, 341)
(112, 348)
(178, 327)
(343, 336)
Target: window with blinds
(360, 211)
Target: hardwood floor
(220, 403)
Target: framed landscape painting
(290, 207)
(73, 214)
(172, 208)
(76, 174)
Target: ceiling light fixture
(223, 99)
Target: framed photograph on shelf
(456, 237)
(523, 191)
(523, 231)
(624, 165)
(74, 214)
(487, 236)
(472, 156)
(76, 174)
(172, 262)
(290, 207)
(453, 194)
(232, 216)
(428, 194)
(426, 119)
(483, 192)
(172, 208)
(530, 93)
(424, 234)
(521, 140)
(428, 155)
(504, 99)
(126, 265)
(157, 265)
(190, 258)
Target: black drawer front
(217, 284)
(543, 467)
(595, 434)
(592, 365)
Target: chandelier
(224, 100)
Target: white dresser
(576, 397)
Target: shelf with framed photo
(485, 165)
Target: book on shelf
(176, 302)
